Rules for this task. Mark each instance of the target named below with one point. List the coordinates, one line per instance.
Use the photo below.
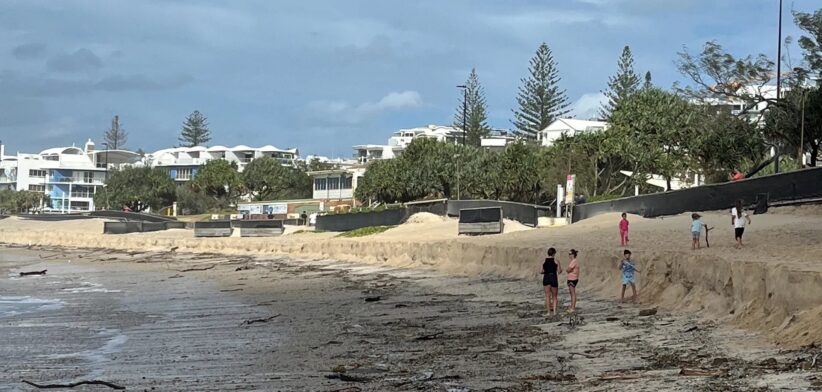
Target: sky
(323, 75)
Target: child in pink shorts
(623, 230)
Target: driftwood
(198, 268)
(429, 336)
(583, 354)
(74, 384)
(43, 272)
(701, 372)
(260, 320)
(613, 377)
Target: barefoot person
(628, 267)
(738, 219)
(573, 279)
(550, 270)
(696, 230)
(623, 230)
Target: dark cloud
(29, 51)
(21, 86)
(141, 83)
(79, 61)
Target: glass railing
(86, 195)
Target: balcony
(72, 180)
(82, 195)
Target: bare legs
(633, 290)
(551, 300)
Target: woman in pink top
(573, 279)
(623, 230)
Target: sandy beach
(162, 321)
(448, 312)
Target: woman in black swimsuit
(550, 269)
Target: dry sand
(773, 286)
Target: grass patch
(365, 231)
(308, 232)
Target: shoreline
(752, 289)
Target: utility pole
(464, 111)
(778, 83)
(802, 132)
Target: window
(88, 177)
(347, 182)
(37, 173)
(334, 183)
(319, 184)
(51, 158)
(184, 173)
(37, 188)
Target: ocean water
(12, 306)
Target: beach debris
(243, 268)
(612, 319)
(770, 362)
(260, 320)
(346, 377)
(691, 329)
(523, 348)
(373, 298)
(429, 336)
(701, 372)
(74, 384)
(552, 377)
(198, 268)
(614, 377)
(29, 273)
(647, 312)
(586, 355)
(347, 389)
(230, 290)
(400, 306)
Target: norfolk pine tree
(540, 99)
(116, 137)
(476, 117)
(195, 130)
(622, 85)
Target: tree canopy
(137, 188)
(540, 98)
(475, 107)
(195, 130)
(220, 180)
(622, 85)
(267, 179)
(116, 137)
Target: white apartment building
(70, 176)
(400, 140)
(570, 127)
(182, 163)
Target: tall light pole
(802, 130)
(457, 158)
(778, 82)
(105, 182)
(464, 111)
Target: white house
(70, 176)
(182, 163)
(337, 186)
(570, 127)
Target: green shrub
(365, 231)
(604, 197)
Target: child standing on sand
(627, 266)
(623, 230)
(738, 218)
(696, 230)
(550, 270)
(573, 279)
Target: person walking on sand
(738, 219)
(628, 267)
(696, 230)
(550, 270)
(573, 279)
(623, 230)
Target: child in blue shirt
(696, 230)
(628, 268)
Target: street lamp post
(464, 111)
(778, 81)
(457, 158)
(802, 130)
(105, 182)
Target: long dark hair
(739, 208)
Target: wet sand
(240, 322)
